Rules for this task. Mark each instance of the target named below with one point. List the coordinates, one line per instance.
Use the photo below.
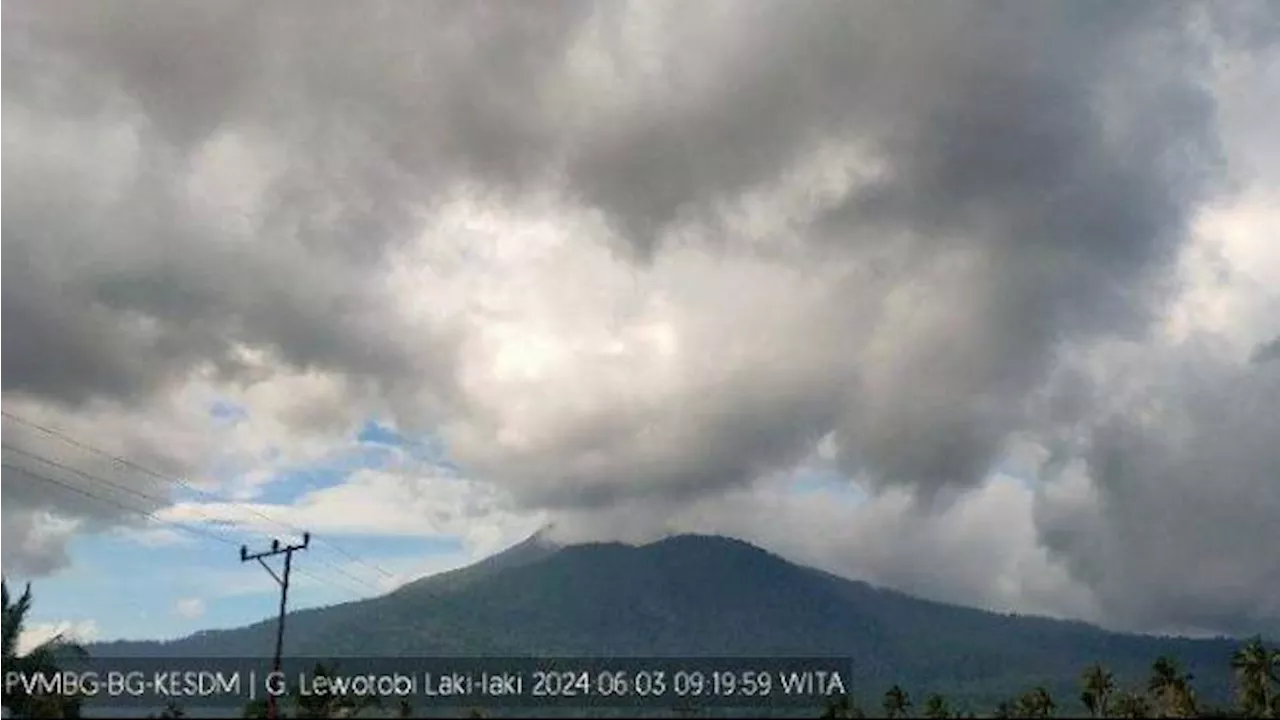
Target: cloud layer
(651, 257)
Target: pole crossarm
(276, 549)
(271, 572)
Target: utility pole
(283, 582)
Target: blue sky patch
(137, 586)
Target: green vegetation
(1098, 686)
(1168, 693)
(936, 708)
(896, 702)
(1257, 671)
(45, 658)
(695, 596)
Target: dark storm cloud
(733, 431)
(374, 108)
(993, 118)
(119, 298)
(1183, 532)
(53, 491)
(33, 552)
(1039, 163)
(1019, 137)
(119, 285)
(1267, 352)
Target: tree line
(1168, 692)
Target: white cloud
(189, 608)
(381, 503)
(1231, 274)
(156, 536)
(690, 256)
(323, 570)
(33, 634)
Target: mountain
(702, 596)
(535, 548)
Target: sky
(976, 300)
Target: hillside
(707, 596)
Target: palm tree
(51, 706)
(45, 658)
(935, 707)
(1171, 688)
(1036, 703)
(329, 706)
(1256, 668)
(896, 702)
(1131, 705)
(1098, 686)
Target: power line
(81, 473)
(160, 476)
(94, 496)
(193, 529)
(152, 498)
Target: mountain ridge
(702, 596)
